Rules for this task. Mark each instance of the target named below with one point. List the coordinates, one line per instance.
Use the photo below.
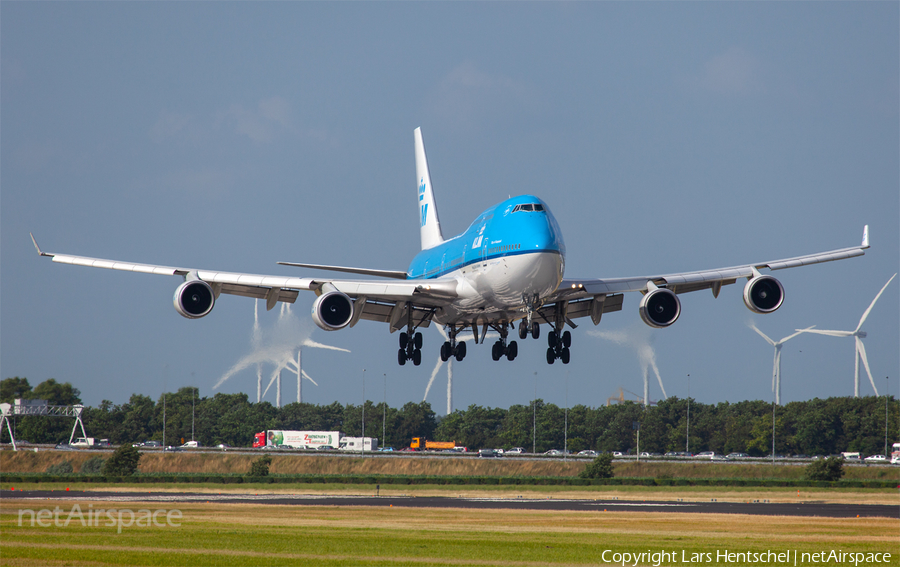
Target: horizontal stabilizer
(362, 271)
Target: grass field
(300, 463)
(250, 534)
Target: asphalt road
(710, 507)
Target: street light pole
(687, 436)
(886, 396)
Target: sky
(664, 137)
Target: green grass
(220, 534)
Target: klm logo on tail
(424, 207)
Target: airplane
(508, 267)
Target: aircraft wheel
(417, 357)
(446, 352)
(512, 351)
(401, 356)
(552, 339)
(551, 356)
(564, 356)
(535, 330)
(496, 351)
(404, 340)
(460, 352)
(567, 339)
(523, 330)
(417, 340)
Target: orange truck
(420, 444)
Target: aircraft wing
(578, 291)
(379, 298)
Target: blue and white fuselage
(513, 253)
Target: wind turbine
(640, 342)
(776, 366)
(860, 351)
(276, 347)
(440, 362)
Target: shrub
(831, 469)
(123, 462)
(93, 465)
(601, 467)
(64, 467)
(260, 466)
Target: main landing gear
(410, 348)
(501, 349)
(451, 348)
(558, 346)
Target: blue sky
(664, 137)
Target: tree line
(813, 427)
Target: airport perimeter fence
(197, 478)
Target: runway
(816, 509)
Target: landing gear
(501, 349)
(524, 328)
(410, 348)
(451, 348)
(558, 347)
(410, 343)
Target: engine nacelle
(194, 299)
(332, 311)
(660, 308)
(763, 294)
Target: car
(150, 444)
(324, 448)
(223, 446)
(588, 453)
(895, 460)
(172, 449)
(498, 451)
(737, 456)
(876, 459)
(554, 453)
(705, 455)
(191, 445)
(515, 451)
(617, 453)
(719, 458)
(386, 449)
(488, 453)
(65, 447)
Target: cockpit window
(529, 207)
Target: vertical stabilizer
(428, 217)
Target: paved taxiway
(704, 507)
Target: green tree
(64, 467)
(601, 467)
(12, 388)
(831, 468)
(260, 467)
(123, 462)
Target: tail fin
(428, 217)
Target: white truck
(83, 442)
(359, 444)
(297, 439)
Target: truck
(359, 444)
(421, 444)
(297, 439)
(83, 442)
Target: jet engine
(332, 311)
(660, 307)
(763, 294)
(194, 299)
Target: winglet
(865, 242)
(38, 248)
